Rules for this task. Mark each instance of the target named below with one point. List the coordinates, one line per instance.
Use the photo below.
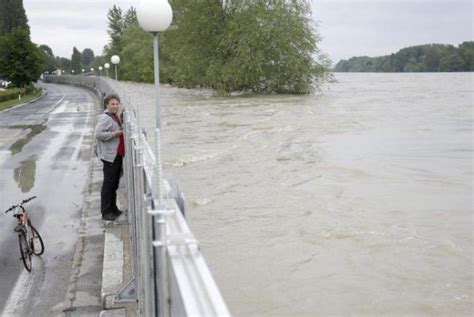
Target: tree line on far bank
(421, 58)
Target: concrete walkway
(102, 257)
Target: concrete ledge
(122, 312)
(112, 274)
(116, 266)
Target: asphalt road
(44, 151)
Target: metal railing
(169, 274)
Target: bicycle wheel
(25, 252)
(37, 245)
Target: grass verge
(14, 102)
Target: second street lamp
(115, 60)
(107, 66)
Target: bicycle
(29, 238)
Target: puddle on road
(24, 174)
(34, 130)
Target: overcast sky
(347, 27)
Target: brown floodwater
(356, 201)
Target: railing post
(162, 280)
(139, 194)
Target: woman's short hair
(110, 97)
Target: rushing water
(357, 201)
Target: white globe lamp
(107, 66)
(115, 60)
(154, 15)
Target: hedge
(13, 93)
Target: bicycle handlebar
(28, 199)
(24, 201)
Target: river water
(356, 201)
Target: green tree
(98, 61)
(130, 18)
(64, 64)
(87, 57)
(413, 66)
(190, 44)
(261, 46)
(466, 50)
(115, 30)
(137, 55)
(12, 15)
(451, 63)
(431, 61)
(50, 64)
(76, 65)
(21, 61)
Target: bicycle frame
(29, 238)
(23, 221)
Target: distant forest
(421, 58)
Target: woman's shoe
(109, 217)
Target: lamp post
(72, 71)
(83, 70)
(155, 16)
(100, 70)
(107, 66)
(92, 69)
(115, 60)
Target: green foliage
(466, 50)
(13, 93)
(9, 94)
(137, 55)
(98, 61)
(130, 18)
(21, 61)
(422, 58)
(189, 46)
(267, 47)
(64, 64)
(451, 63)
(115, 31)
(76, 65)
(261, 46)
(50, 61)
(12, 15)
(87, 57)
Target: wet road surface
(45, 150)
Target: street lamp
(83, 70)
(72, 71)
(107, 66)
(155, 16)
(115, 60)
(92, 69)
(100, 70)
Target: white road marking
(19, 294)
